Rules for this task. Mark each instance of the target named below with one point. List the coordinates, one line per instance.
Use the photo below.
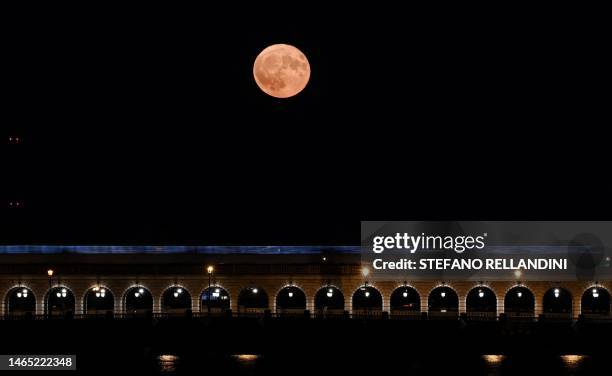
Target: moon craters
(281, 71)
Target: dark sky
(148, 127)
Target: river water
(485, 364)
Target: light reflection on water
(573, 362)
(246, 360)
(167, 363)
(493, 360)
(493, 365)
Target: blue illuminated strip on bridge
(175, 249)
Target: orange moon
(281, 70)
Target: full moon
(281, 70)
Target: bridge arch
(367, 300)
(290, 299)
(443, 301)
(20, 301)
(595, 301)
(138, 301)
(519, 301)
(59, 301)
(557, 300)
(215, 297)
(405, 298)
(329, 299)
(481, 299)
(252, 299)
(175, 299)
(98, 299)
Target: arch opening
(99, 300)
(176, 300)
(329, 300)
(290, 300)
(595, 302)
(519, 301)
(367, 301)
(138, 301)
(252, 300)
(214, 299)
(481, 302)
(60, 302)
(443, 302)
(405, 300)
(20, 302)
(557, 301)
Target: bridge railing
(367, 314)
(556, 316)
(481, 316)
(447, 315)
(406, 315)
(521, 316)
(330, 314)
(290, 312)
(595, 317)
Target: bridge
(55, 281)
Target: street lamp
(365, 271)
(100, 292)
(140, 292)
(50, 273)
(518, 273)
(209, 270)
